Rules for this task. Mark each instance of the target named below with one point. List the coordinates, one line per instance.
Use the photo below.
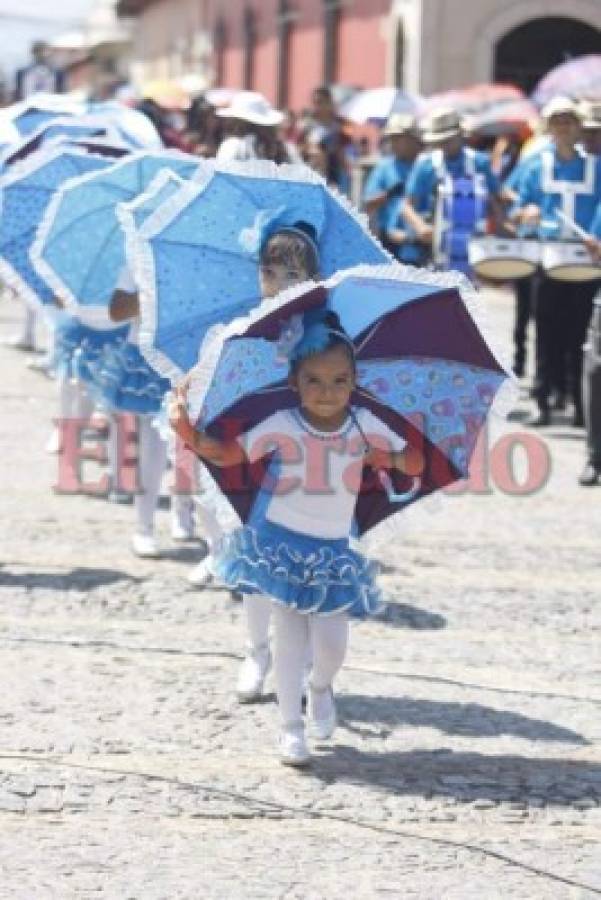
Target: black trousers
(525, 289)
(591, 385)
(563, 313)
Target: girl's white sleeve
(265, 437)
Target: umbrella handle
(395, 497)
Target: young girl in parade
(129, 385)
(296, 555)
(288, 257)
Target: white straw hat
(251, 107)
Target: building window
(285, 19)
(399, 56)
(249, 29)
(331, 15)
(220, 40)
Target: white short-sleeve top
(314, 477)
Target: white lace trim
(43, 268)
(140, 260)
(162, 217)
(19, 171)
(211, 348)
(378, 539)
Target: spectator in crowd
(324, 144)
(204, 129)
(39, 76)
(253, 125)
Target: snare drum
(568, 261)
(503, 259)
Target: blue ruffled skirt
(309, 574)
(125, 381)
(77, 348)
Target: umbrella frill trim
(140, 256)
(83, 122)
(378, 539)
(140, 260)
(44, 269)
(20, 170)
(13, 280)
(323, 580)
(211, 348)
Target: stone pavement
(468, 760)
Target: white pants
(297, 635)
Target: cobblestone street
(468, 759)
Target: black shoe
(559, 401)
(590, 475)
(541, 420)
(519, 368)
(578, 419)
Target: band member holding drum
(562, 184)
(385, 187)
(450, 192)
(591, 379)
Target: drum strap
(460, 209)
(567, 190)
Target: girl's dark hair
(295, 245)
(330, 334)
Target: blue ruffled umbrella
(69, 128)
(80, 251)
(423, 367)
(28, 115)
(200, 251)
(25, 193)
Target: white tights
(152, 462)
(74, 399)
(295, 634)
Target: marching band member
(385, 187)
(450, 191)
(561, 177)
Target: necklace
(341, 432)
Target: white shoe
(321, 711)
(18, 342)
(201, 574)
(182, 532)
(293, 747)
(251, 676)
(145, 546)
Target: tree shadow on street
(466, 719)
(79, 579)
(465, 775)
